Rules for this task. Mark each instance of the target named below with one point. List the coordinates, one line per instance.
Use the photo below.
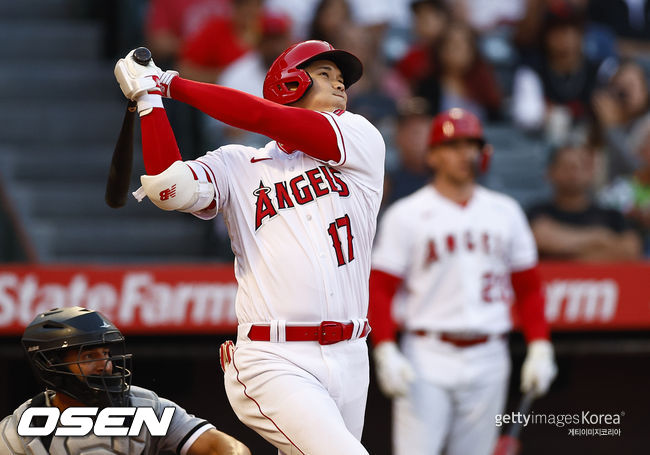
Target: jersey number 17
(333, 231)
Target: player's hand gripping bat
(119, 175)
(509, 443)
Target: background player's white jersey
(301, 229)
(455, 260)
(183, 431)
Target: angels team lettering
(300, 190)
(468, 241)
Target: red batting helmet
(457, 123)
(287, 70)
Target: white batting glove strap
(147, 102)
(539, 369)
(165, 82)
(394, 371)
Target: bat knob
(142, 56)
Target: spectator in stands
(429, 20)
(630, 20)
(571, 226)
(461, 77)
(599, 41)
(485, 16)
(221, 41)
(552, 88)
(168, 23)
(372, 15)
(331, 20)
(409, 146)
(622, 109)
(631, 194)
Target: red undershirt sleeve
(383, 287)
(527, 286)
(159, 148)
(294, 127)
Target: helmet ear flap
(290, 87)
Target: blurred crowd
(571, 73)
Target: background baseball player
(79, 356)
(301, 214)
(451, 254)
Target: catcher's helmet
(286, 81)
(53, 334)
(457, 123)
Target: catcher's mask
(60, 342)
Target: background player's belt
(457, 339)
(327, 332)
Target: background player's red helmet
(287, 81)
(457, 123)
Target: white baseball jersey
(455, 260)
(183, 431)
(301, 229)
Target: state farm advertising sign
(147, 299)
(597, 296)
(184, 299)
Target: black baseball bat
(119, 174)
(509, 443)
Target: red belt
(327, 332)
(457, 339)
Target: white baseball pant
(302, 397)
(454, 400)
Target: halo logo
(108, 422)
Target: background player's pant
(302, 397)
(454, 401)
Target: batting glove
(226, 351)
(394, 371)
(165, 82)
(135, 79)
(539, 369)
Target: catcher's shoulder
(141, 397)
(11, 443)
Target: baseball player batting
(79, 357)
(301, 214)
(449, 257)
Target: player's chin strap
(179, 187)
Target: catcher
(79, 357)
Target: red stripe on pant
(234, 364)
